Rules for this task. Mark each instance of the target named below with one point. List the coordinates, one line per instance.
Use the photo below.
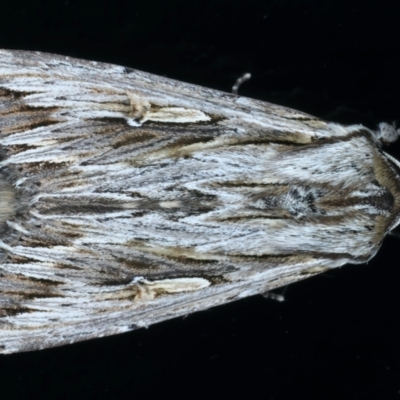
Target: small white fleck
(170, 204)
(133, 122)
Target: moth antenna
(245, 77)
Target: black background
(337, 335)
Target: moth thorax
(8, 202)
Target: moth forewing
(129, 198)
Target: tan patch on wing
(143, 290)
(151, 290)
(176, 115)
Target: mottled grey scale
(297, 201)
(16, 115)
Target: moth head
(386, 133)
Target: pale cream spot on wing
(150, 290)
(176, 115)
(315, 124)
(139, 107)
(171, 286)
(143, 290)
(315, 270)
(170, 204)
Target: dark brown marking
(67, 266)
(11, 311)
(191, 260)
(111, 120)
(40, 281)
(14, 95)
(116, 282)
(189, 140)
(43, 165)
(38, 241)
(38, 295)
(134, 138)
(137, 264)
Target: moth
(127, 198)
